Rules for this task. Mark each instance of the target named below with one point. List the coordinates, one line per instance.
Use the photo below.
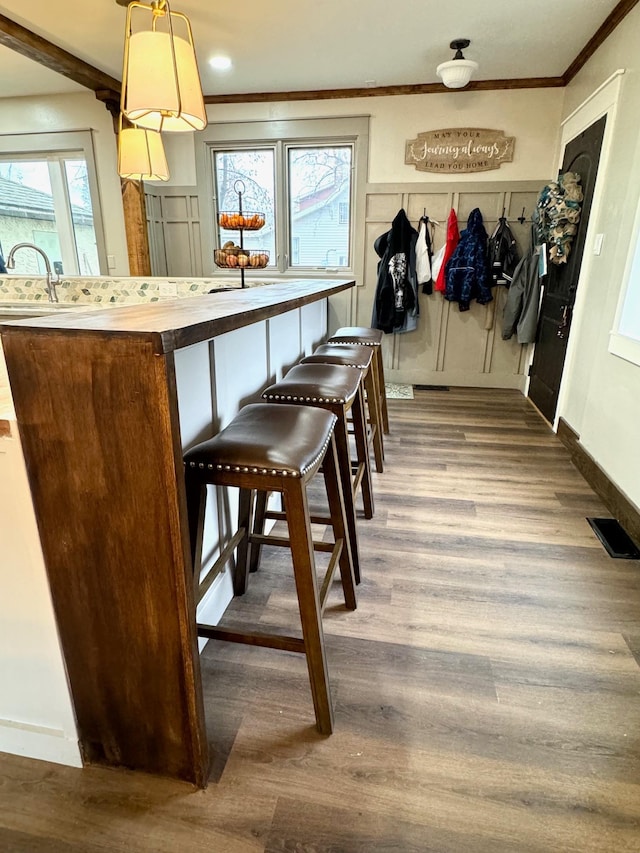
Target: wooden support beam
(135, 223)
(37, 48)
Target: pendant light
(456, 73)
(141, 154)
(160, 81)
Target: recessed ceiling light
(220, 63)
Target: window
(319, 179)
(624, 341)
(47, 198)
(304, 176)
(250, 170)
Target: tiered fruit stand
(232, 256)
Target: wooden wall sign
(459, 150)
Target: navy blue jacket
(467, 274)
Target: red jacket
(452, 239)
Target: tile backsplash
(113, 291)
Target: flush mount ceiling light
(161, 88)
(456, 73)
(141, 155)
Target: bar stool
(359, 357)
(367, 337)
(276, 448)
(339, 389)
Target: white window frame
(624, 345)
(47, 146)
(353, 130)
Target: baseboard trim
(41, 742)
(618, 504)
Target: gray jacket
(523, 299)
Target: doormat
(615, 538)
(398, 392)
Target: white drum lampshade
(160, 79)
(141, 155)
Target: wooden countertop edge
(270, 303)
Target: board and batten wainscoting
(448, 347)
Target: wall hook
(522, 218)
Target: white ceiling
(286, 45)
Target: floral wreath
(557, 215)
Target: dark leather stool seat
(367, 337)
(339, 389)
(265, 449)
(361, 358)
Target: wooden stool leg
(258, 528)
(196, 505)
(360, 434)
(373, 405)
(241, 572)
(297, 510)
(382, 390)
(338, 522)
(344, 465)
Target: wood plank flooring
(487, 689)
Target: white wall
(600, 397)
(531, 115)
(36, 716)
(79, 112)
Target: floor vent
(615, 538)
(431, 387)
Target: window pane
(320, 206)
(255, 168)
(35, 209)
(27, 214)
(82, 216)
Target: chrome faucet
(51, 284)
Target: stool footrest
(220, 563)
(358, 470)
(333, 548)
(285, 542)
(331, 568)
(270, 641)
(274, 515)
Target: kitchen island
(106, 403)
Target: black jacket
(502, 252)
(395, 305)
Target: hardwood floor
(487, 689)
